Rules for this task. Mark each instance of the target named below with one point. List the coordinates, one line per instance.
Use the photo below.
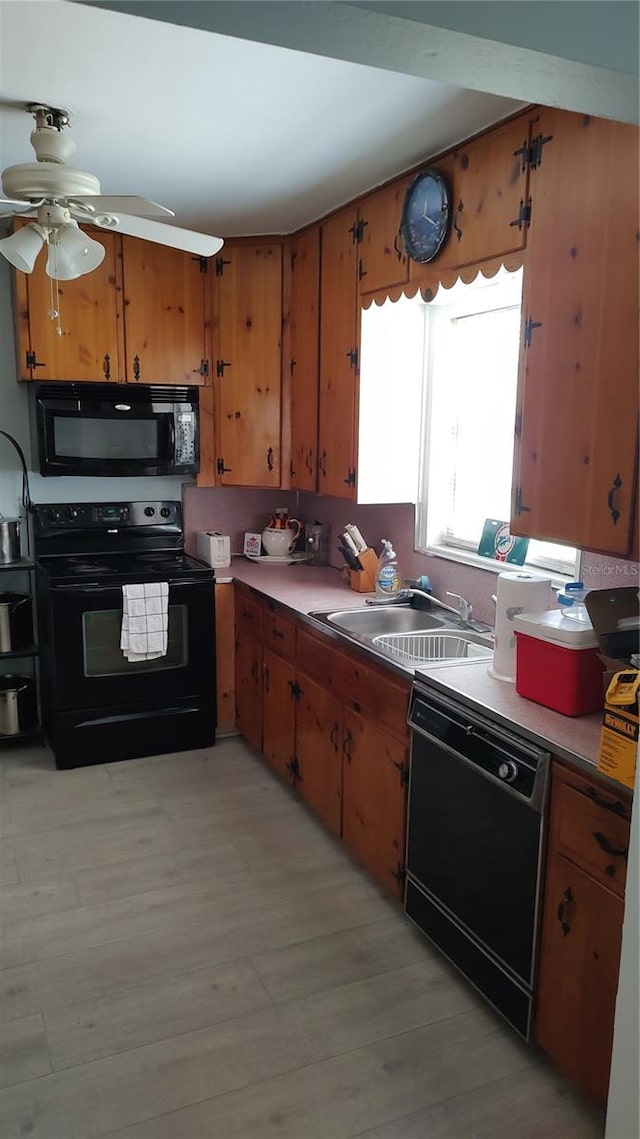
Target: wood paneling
(90, 308)
(339, 346)
(304, 360)
(164, 297)
(248, 333)
(575, 466)
(374, 800)
(248, 669)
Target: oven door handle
(93, 589)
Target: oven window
(85, 438)
(102, 655)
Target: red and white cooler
(558, 663)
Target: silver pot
(17, 705)
(16, 624)
(9, 540)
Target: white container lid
(553, 626)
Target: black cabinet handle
(333, 736)
(611, 499)
(270, 459)
(346, 746)
(277, 634)
(136, 367)
(562, 911)
(455, 226)
(604, 844)
(400, 253)
(308, 460)
(106, 366)
(322, 461)
(614, 805)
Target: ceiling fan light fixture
(22, 247)
(72, 253)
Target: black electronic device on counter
(115, 430)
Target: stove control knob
(71, 513)
(149, 511)
(507, 771)
(53, 515)
(165, 511)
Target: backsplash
(231, 510)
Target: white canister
(516, 593)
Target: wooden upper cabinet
(489, 185)
(304, 362)
(247, 306)
(575, 470)
(339, 353)
(90, 346)
(164, 307)
(382, 259)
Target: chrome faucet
(464, 612)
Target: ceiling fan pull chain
(54, 295)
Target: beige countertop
(305, 589)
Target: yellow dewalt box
(619, 733)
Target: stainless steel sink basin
(373, 621)
(406, 636)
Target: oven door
(88, 668)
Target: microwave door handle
(172, 437)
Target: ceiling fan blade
(200, 244)
(11, 206)
(119, 203)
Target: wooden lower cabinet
(278, 712)
(248, 667)
(318, 775)
(578, 981)
(225, 658)
(581, 938)
(374, 799)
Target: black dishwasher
(477, 796)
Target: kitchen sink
(409, 637)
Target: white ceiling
(237, 137)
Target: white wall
(14, 418)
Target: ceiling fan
(57, 194)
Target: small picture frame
(500, 545)
(253, 545)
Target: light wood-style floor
(186, 954)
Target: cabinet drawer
(279, 634)
(363, 687)
(590, 830)
(248, 613)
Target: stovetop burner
(160, 565)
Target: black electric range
(98, 706)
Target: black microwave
(116, 429)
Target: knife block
(364, 580)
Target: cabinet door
(374, 799)
(319, 751)
(164, 296)
(90, 308)
(489, 185)
(578, 975)
(577, 407)
(248, 365)
(278, 712)
(225, 657)
(338, 356)
(383, 261)
(305, 348)
(248, 673)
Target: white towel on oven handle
(145, 618)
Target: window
(470, 376)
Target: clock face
(425, 215)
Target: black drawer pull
(614, 805)
(567, 900)
(604, 844)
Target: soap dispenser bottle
(387, 577)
